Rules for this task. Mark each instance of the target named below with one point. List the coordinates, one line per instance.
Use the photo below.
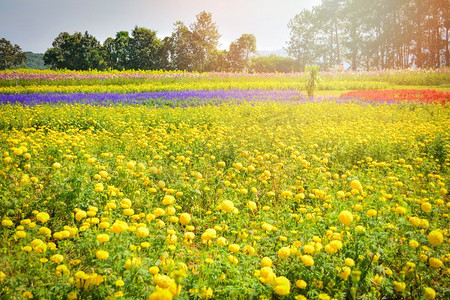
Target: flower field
(247, 189)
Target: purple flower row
(171, 98)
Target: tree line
(372, 34)
(192, 48)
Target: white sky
(34, 24)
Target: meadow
(163, 185)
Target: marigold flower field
(241, 190)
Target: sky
(34, 24)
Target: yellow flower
(98, 187)
(435, 238)
(57, 258)
(413, 243)
(103, 237)
(282, 286)
(142, 232)
(102, 254)
(209, 234)
(266, 262)
(349, 262)
(301, 284)
(227, 206)
(346, 217)
(168, 200)
(43, 217)
(371, 213)
(345, 272)
(435, 262)
(399, 286)
(426, 207)
(356, 185)
(161, 294)
(153, 270)
(284, 252)
(252, 205)
(57, 165)
(21, 234)
(80, 215)
(307, 260)
(7, 222)
(429, 293)
(185, 218)
(234, 247)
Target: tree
(205, 38)
(301, 45)
(10, 55)
(75, 52)
(117, 52)
(144, 48)
(181, 52)
(240, 50)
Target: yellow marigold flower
(185, 218)
(153, 270)
(57, 258)
(142, 232)
(435, 238)
(227, 206)
(159, 212)
(346, 217)
(349, 262)
(209, 234)
(43, 217)
(98, 187)
(435, 262)
(80, 215)
(161, 294)
(284, 252)
(252, 205)
(102, 254)
(371, 213)
(56, 165)
(336, 244)
(282, 285)
(426, 207)
(168, 200)
(399, 286)
(21, 234)
(429, 293)
(103, 237)
(234, 247)
(345, 272)
(309, 249)
(413, 243)
(301, 284)
(356, 185)
(7, 222)
(266, 262)
(307, 260)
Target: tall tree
(205, 38)
(143, 49)
(181, 52)
(75, 51)
(10, 55)
(240, 50)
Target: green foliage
(34, 61)
(274, 63)
(10, 55)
